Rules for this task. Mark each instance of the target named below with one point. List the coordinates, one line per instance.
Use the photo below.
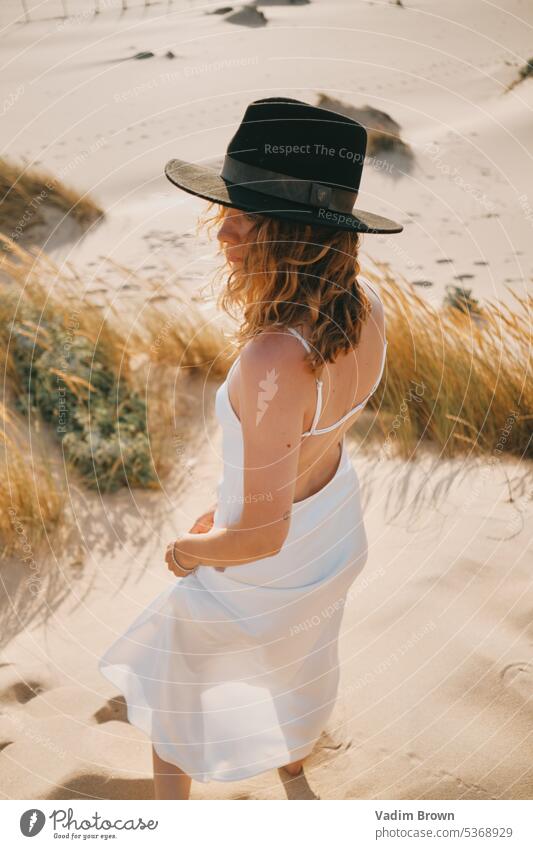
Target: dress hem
(206, 777)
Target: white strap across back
(313, 430)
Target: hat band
(288, 188)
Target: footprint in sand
(282, 2)
(248, 16)
(519, 677)
(114, 710)
(20, 684)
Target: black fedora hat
(290, 160)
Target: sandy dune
(82, 106)
(436, 649)
(437, 675)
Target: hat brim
(205, 182)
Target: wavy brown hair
(295, 273)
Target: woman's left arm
(274, 385)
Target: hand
(203, 523)
(179, 560)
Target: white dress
(233, 673)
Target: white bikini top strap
(313, 429)
(318, 409)
(232, 366)
(361, 403)
(369, 284)
(302, 339)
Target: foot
(294, 768)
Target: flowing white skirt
(236, 672)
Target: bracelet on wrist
(178, 564)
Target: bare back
(345, 384)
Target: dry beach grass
(463, 375)
(435, 649)
(457, 380)
(27, 193)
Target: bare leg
(170, 782)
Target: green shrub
(461, 299)
(99, 419)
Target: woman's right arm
(204, 523)
(272, 424)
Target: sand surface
(436, 647)
(76, 101)
(437, 668)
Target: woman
(234, 669)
